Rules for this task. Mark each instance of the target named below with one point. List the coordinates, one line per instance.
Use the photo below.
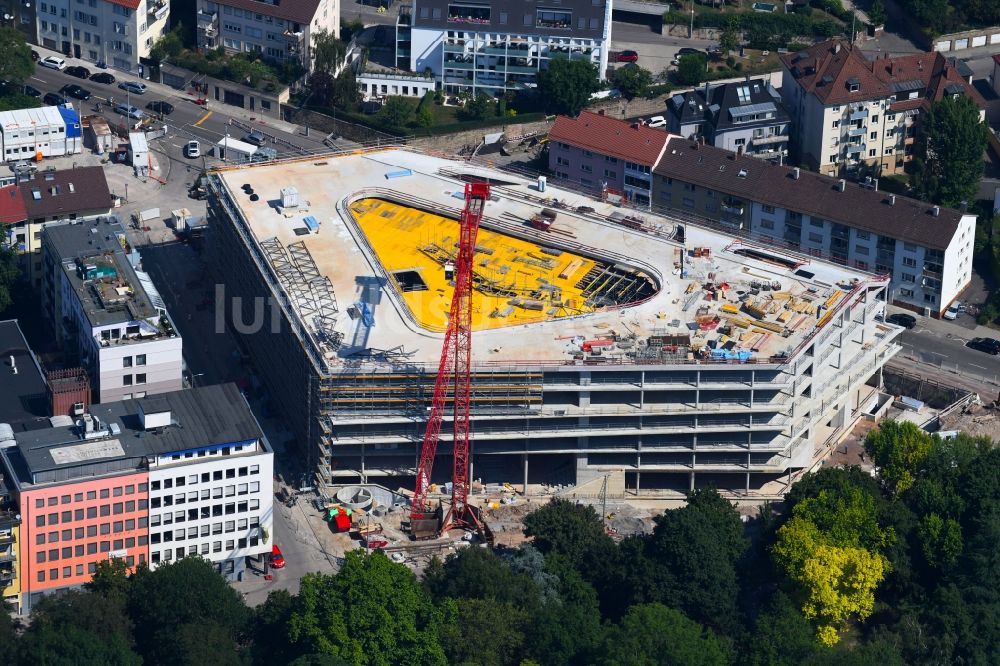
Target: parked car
(103, 77)
(901, 319)
(192, 149)
(952, 312)
(136, 87)
(628, 56)
(988, 345)
(32, 92)
(684, 52)
(76, 92)
(53, 62)
(78, 72)
(277, 559)
(657, 121)
(161, 107)
(130, 111)
(256, 138)
(53, 99)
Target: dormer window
(853, 85)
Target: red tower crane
(454, 380)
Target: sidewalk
(273, 121)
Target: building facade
(858, 116)
(49, 131)
(482, 47)
(747, 116)
(98, 489)
(107, 315)
(277, 31)
(606, 155)
(115, 32)
(926, 249)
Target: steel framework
(454, 377)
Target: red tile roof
(825, 69)
(131, 4)
(609, 136)
(12, 208)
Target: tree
(169, 45)
(876, 14)
(479, 107)
(328, 52)
(781, 635)
(372, 611)
(698, 547)
(691, 70)
(9, 273)
(425, 117)
(566, 86)
(898, 449)
(187, 592)
(632, 80)
(396, 112)
(729, 40)
(652, 634)
(574, 531)
(950, 151)
(487, 633)
(940, 540)
(16, 64)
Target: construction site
(603, 342)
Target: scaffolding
(310, 293)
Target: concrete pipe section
(354, 497)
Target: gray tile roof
(812, 194)
(23, 396)
(200, 417)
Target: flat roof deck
(730, 299)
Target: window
(874, 119)
(861, 249)
(863, 235)
(835, 124)
(127, 362)
(767, 224)
(908, 277)
(832, 158)
(909, 261)
(815, 238)
(141, 378)
(767, 208)
(873, 152)
(140, 359)
(126, 379)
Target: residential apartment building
(97, 488)
(22, 404)
(278, 31)
(926, 249)
(45, 198)
(115, 32)
(855, 115)
(747, 116)
(477, 46)
(49, 131)
(608, 155)
(105, 312)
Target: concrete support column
(525, 489)
(748, 482)
(691, 481)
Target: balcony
(859, 115)
(157, 10)
(452, 64)
(733, 208)
(769, 140)
(855, 149)
(857, 131)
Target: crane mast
(454, 379)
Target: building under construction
(604, 340)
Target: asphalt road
(189, 120)
(941, 344)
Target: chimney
(892, 199)
(965, 207)
(842, 185)
(836, 47)
(795, 173)
(936, 211)
(739, 151)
